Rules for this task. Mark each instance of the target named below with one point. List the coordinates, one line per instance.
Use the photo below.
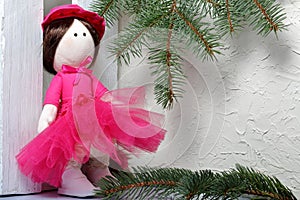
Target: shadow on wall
(48, 4)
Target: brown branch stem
(261, 193)
(194, 29)
(214, 4)
(228, 16)
(189, 196)
(118, 54)
(274, 26)
(168, 55)
(107, 7)
(138, 185)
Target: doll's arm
(48, 115)
(103, 94)
(51, 103)
(101, 89)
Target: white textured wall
(261, 78)
(244, 109)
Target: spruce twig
(147, 183)
(141, 184)
(183, 18)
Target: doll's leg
(75, 183)
(97, 167)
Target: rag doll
(80, 117)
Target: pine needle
(160, 183)
(199, 25)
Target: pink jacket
(61, 87)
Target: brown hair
(54, 32)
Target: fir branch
(189, 22)
(266, 194)
(124, 49)
(133, 38)
(265, 16)
(195, 184)
(206, 8)
(138, 185)
(262, 185)
(106, 8)
(213, 3)
(142, 183)
(109, 9)
(168, 58)
(243, 180)
(133, 7)
(228, 16)
(208, 47)
(185, 184)
(273, 25)
(169, 79)
(199, 34)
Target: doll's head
(71, 34)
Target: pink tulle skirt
(120, 122)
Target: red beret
(73, 10)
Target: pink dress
(89, 115)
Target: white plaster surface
(244, 108)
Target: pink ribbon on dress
(80, 69)
(83, 69)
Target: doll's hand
(47, 117)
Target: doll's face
(75, 46)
